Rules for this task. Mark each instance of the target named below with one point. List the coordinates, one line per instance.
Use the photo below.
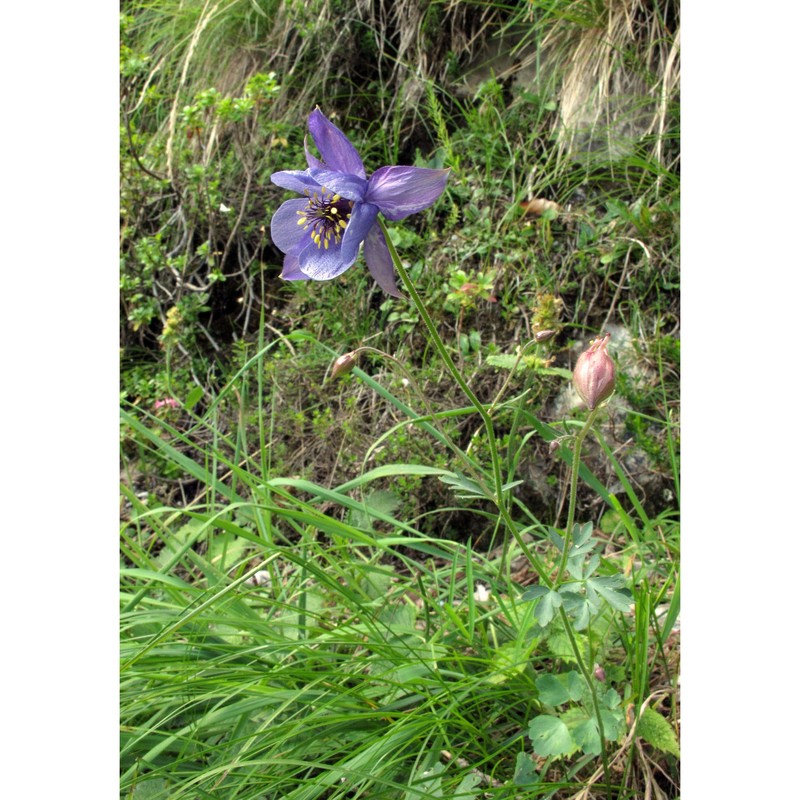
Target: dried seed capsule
(344, 364)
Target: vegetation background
(306, 610)
(738, 298)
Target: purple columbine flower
(322, 233)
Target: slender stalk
(498, 497)
(449, 363)
(584, 668)
(587, 676)
(573, 492)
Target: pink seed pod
(594, 373)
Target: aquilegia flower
(322, 233)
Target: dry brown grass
(618, 78)
(618, 66)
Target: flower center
(326, 215)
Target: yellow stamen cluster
(326, 215)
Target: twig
(135, 155)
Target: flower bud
(543, 336)
(167, 402)
(599, 673)
(594, 373)
(343, 364)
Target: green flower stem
(587, 676)
(584, 668)
(498, 497)
(573, 492)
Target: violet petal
(291, 269)
(334, 146)
(379, 261)
(350, 187)
(362, 219)
(296, 180)
(287, 235)
(312, 161)
(321, 264)
(400, 191)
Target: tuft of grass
(281, 637)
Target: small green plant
(466, 290)
(572, 724)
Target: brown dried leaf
(538, 206)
